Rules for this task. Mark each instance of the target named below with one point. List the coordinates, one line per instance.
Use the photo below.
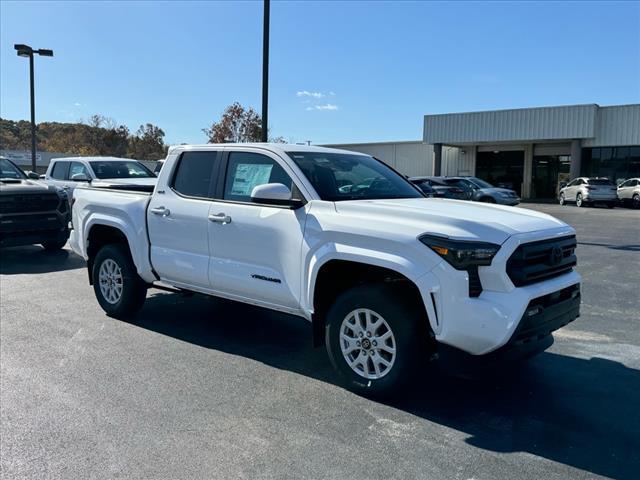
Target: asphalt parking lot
(204, 388)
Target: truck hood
(453, 218)
(24, 187)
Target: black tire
(579, 201)
(487, 200)
(611, 205)
(54, 245)
(409, 326)
(134, 289)
(635, 201)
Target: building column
(527, 174)
(437, 159)
(576, 158)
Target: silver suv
(585, 190)
(629, 192)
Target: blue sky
(340, 71)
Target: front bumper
(533, 335)
(483, 324)
(29, 229)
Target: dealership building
(530, 150)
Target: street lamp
(27, 51)
(265, 72)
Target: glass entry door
(548, 172)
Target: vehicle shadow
(580, 412)
(33, 259)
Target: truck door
(255, 248)
(178, 220)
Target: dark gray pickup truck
(31, 212)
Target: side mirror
(79, 177)
(42, 177)
(563, 184)
(274, 194)
(33, 176)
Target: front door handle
(220, 218)
(162, 211)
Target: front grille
(29, 203)
(538, 261)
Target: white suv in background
(68, 172)
(585, 190)
(629, 192)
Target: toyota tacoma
(388, 279)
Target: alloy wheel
(367, 343)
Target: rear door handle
(162, 211)
(220, 218)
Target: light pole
(265, 73)
(27, 51)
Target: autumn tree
(147, 143)
(237, 125)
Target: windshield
(119, 169)
(339, 176)
(9, 170)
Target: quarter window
(193, 174)
(246, 171)
(59, 171)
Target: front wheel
(562, 199)
(118, 287)
(375, 340)
(635, 201)
(54, 245)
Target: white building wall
(409, 158)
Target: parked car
(437, 189)
(629, 192)
(386, 277)
(31, 212)
(586, 190)
(67, 173)
(479, 190)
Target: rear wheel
(375, 340)
(635, 201)
(118, 287)
(579, 201)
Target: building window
(615, 163)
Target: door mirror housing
(274, 194)
(33, 175)
(80, 177)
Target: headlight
(461, 255)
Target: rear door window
(194, 174)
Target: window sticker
(248, 176)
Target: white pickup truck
(388, 278)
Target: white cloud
(306, 93)
(77, 104)
(327, 106)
